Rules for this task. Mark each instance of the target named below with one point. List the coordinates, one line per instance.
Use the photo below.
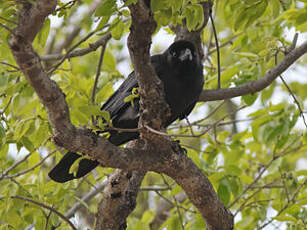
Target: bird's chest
(180, 93)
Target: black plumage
(181, 72)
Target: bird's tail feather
(60, 173)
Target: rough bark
(119, 200)
(153, 112)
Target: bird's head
(182, 53)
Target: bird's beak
(186, 54)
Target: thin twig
(10, 65)
(7, 171)
(295, 100)
(284, 185)
(171, 203)
(229, 41)
(155, 188)
(6, 107)
(47, 220)
(7, 20)
(87, 197)
(96, 78)
(275, 157)
(106, 129)
(292, 47)
(46, 207)
(211, 113)
(243, 205)
(255, 202)
(30, 169)
(69, 51)
(292, 200)
(217, 52)
(190, 126)
(98, 73)
(198, 135)
(176, 203)
(218, 125)
(8, 29)
(67, 5)
(293, 44)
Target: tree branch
(153, 112)
(119, 199)
(77, 27)
(46, 207)
(32, 17)
(257, 85)
(78, 52)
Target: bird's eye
(174, 54)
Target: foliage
(256, 170)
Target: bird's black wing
(115, 101)
(187, 111)
(115, 104)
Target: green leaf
(103, 22)
(194, 16)
(223, 191)
(22, 127)
(129, 2)
(177, 189)
(105, 115)
(301, 172)
(148, 216)
(90, 110)
(246, 54)
(285, 218)
(27, 143)
(118, 30)
(158, 5)
(132, 96)
(42, 36)
(229, 73)
(233, 169)
(107, 8)
(2, 134)
(275, 6)
(241, 20)
(249, 99)
(75, 166)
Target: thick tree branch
(153, 112)
(257, 85)
(190, 178)
(32, 17)
(119, 199)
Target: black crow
(181, 72)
